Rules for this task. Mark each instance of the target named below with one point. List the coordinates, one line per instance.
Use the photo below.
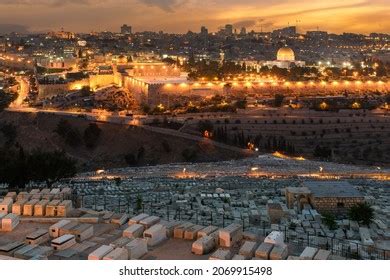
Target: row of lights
(299, 84)
(14, 59)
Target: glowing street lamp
(356, 105)
(324, 106)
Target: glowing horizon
(179, 16)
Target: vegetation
(131, 159)
(19, 168)
(205, 126)
(166, 146)
(50, 166)
(6, 99)
(9, 131)
(322, 152)
(189, 154)
(139, 203)
(241, 104)
(329, 220)
(210, 70)
(362, 213)
(91, 135)
(71, 135)
(278, 101)
(135, 159)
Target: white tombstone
(100, 252)
(248, 249)
(137, 248)
(133, 231)
(263, 251)
(9, 222)
(117, 254)
(308, 253)
(54, 230)
(155, 235)
(63, 242)
(275, 238)
(6, 205)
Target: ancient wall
(336, 205)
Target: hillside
(36, 131)
(357, 137)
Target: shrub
(166, 146)
(9, 131)
(70, 134)
(362, 213)
(189, 154)
(278, 101)
(91, 135)
(131, 159)
(329, 220)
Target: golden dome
(285, 54)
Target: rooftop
(332, 189)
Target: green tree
(166, 146)
(189, 154)
(362, 213)
(70, 134)
(50, 167)
(6, 99)
(205, 126)
(131, 159)
(241, 104)
(14, 170)
(278, 101)
(139, 203)
(91, 135)
(329, 220)
(9, 131)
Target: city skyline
(179, 16)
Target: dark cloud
(8, 28)
(51, 3)
(245, 23)
(256, 24)
(165, 5)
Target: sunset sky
(360, 16)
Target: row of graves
(108, 236)
(36, 203)
(45, 202)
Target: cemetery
(224, 212)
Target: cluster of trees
(133, 159)
(74, 138)
(91, 135)
(6, 99)
(190, 154)
(322, 152)
(362, 213)
(8, 130)
(295, 73)
(279, 144)
(209, 70)
(329, 220)
(19, 167)
(239, 139)
(205, 126)
(278, 100)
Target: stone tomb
(155, 235)
(37, 237)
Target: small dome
(285, 54)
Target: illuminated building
(62, 35)
(285, 58)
